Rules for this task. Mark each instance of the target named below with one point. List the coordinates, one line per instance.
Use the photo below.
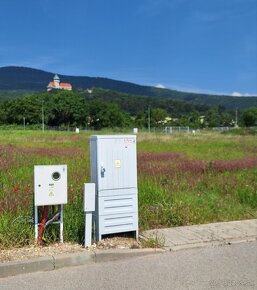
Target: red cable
(42, 224)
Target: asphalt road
(223, 267)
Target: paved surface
(173, 239)
(205, 235)
(223, 267)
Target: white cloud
(236, 94)
(160, 86)
(190, 89)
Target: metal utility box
(114, 171)
(50, 184)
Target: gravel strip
(32, 251)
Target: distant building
(56, 84)
(202, 119)
(90, 91)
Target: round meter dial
(56, 175)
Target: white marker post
(36, 221)
(89, 208)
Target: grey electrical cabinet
(113, 164)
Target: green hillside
(15, 81)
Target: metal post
(24, 122)
(61, 224)
(43, 119)
(36, 221)
(236, 125)
(88, 229)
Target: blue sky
(191, 45)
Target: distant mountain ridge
(13, 78)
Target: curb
(112, 255)
(22, 267)
(50, 263)
(77, 259)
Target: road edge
(49, 263)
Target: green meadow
(182, 180)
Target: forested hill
(19, 80)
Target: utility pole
(24, 123)
(43, 121)
(149, 120)
(236, 124)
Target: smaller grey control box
(50, 184)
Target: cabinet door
(117, 164)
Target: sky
(207, 46)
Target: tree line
(105, 108)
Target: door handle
(102, 171)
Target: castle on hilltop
(56, 84)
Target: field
(182, 179)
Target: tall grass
(183, 180)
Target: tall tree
(249, 117)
